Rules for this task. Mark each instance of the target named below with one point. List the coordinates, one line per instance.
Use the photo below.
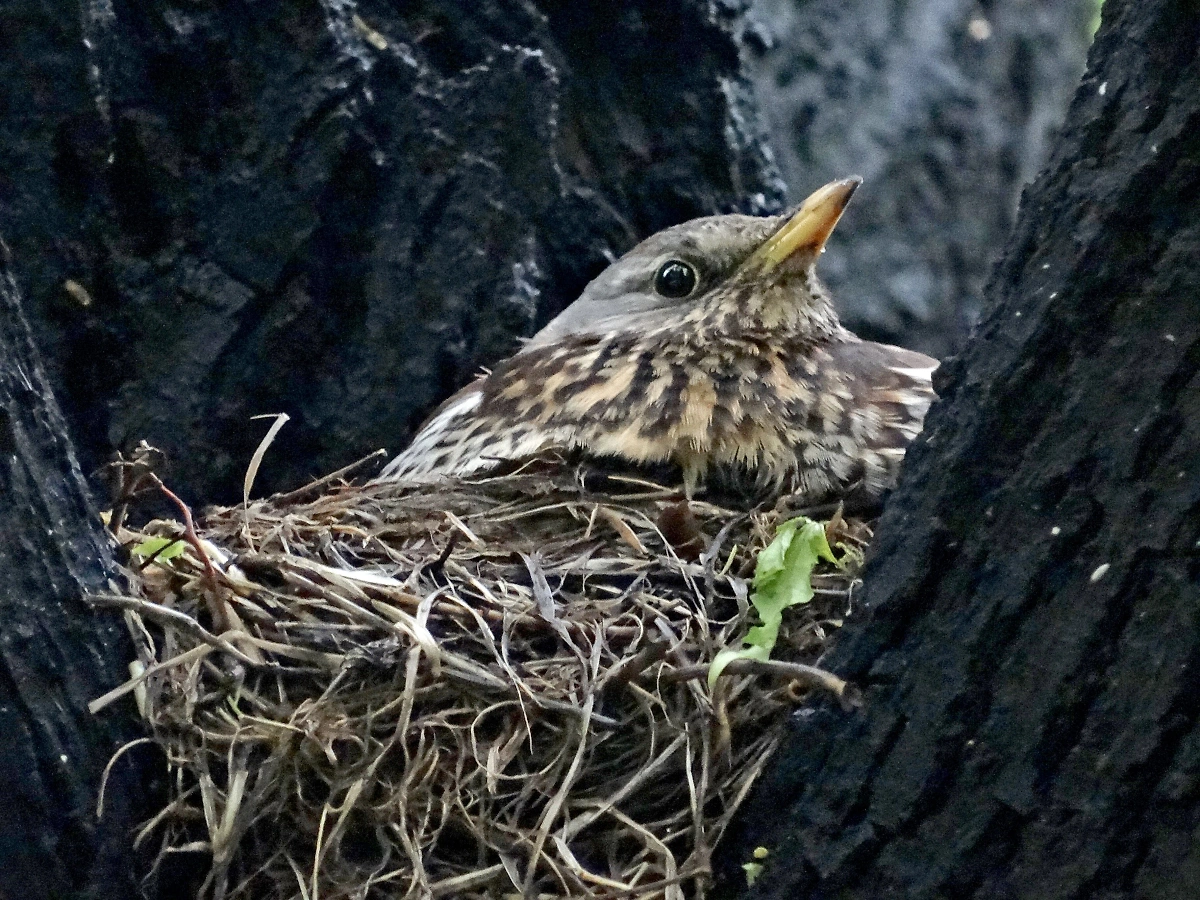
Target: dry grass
(486, 689)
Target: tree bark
(1028, 637)
(338, 210)
(56, 654)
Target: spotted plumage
(749, 375)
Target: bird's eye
(675, 279)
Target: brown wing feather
(895, 382)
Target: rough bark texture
(56, 654)
(1029, 637)
(337, 209)
(946, 108)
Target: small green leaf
(752, 870)
(782, 578)
(161, 548)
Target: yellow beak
(807, 230)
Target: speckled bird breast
(700, 399)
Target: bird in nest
(710, 347)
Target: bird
(712, 348)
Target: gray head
(674, 270)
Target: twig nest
(478, 689)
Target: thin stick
(843, 690)
(197, 652)
(189, 527)
(280, 500)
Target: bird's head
(734, 271)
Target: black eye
(675, 279)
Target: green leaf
(161, 548)
(782, 578)
(752, 870)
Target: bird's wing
(893, 382)
(464, 436)
(515, 412)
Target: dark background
(340, 211)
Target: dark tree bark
(339, 210)
(1029, 638)
(946, 107)
(56, 654)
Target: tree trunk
(1028, 637)
(56, 654)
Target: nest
(485, 689)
